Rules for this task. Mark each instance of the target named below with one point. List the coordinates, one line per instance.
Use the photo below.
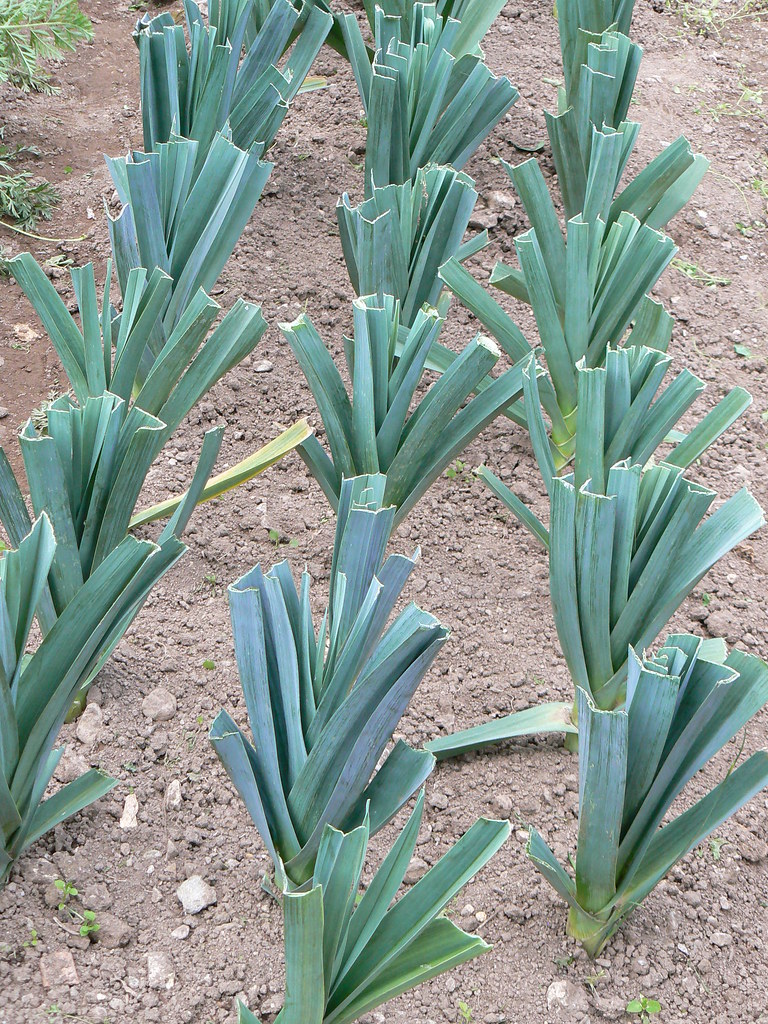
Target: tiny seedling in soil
(716, 845)
(644, 1008)
(592, 979)
(456, 470)
(33, 939)
(86, 920)
(89, 923)
(54, 1013)
(67, 890)
(749, 229)
(699, 276)
(465, 1014)
(710, 17)
(209, 665)
(562, 962)
(743, 351)
(274, 536)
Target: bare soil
(699, 944)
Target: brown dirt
(699, 944)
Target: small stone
(57, 969)
(25, 333)
(195, 895)
(263, 367)
(112, 933)
(40, 871)
(752, 848)
(71, 766)
(130, 810)
(173, 797)
(159, 705)
(483, 219)
(3, 412)
(160, 972)
(181, 933)
(502, 805)
(720, 939)
(89, 725)
(98, 897)
(566, 1000)
(416, 869)
(500, 200)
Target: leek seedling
(587, 17)
(85, 472)
(683, 705)
(182, 225)
(396, 241)
(623, 415)
(323, 708)
(195, 92)
(587, 288)
(373, 432)
(609, 269)
(106, 355)
(428, 96)
(343, 958)
(37, 690)
(620, 565)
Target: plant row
(629, 533)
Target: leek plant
(683, 705)
(593, 17)
(346, 955)
(395, 242)
(592, 139)
(259, 11)
(588, 292)
(182, 225)
(195, 92)
(428, 96)
(37, 690)
(208, 117)
(88, 463)
(626, 416)
(589, 286)
(323, 707)
(372, 432)
(85, 470)
(620, 565)
(106, 354)
(478, 16)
